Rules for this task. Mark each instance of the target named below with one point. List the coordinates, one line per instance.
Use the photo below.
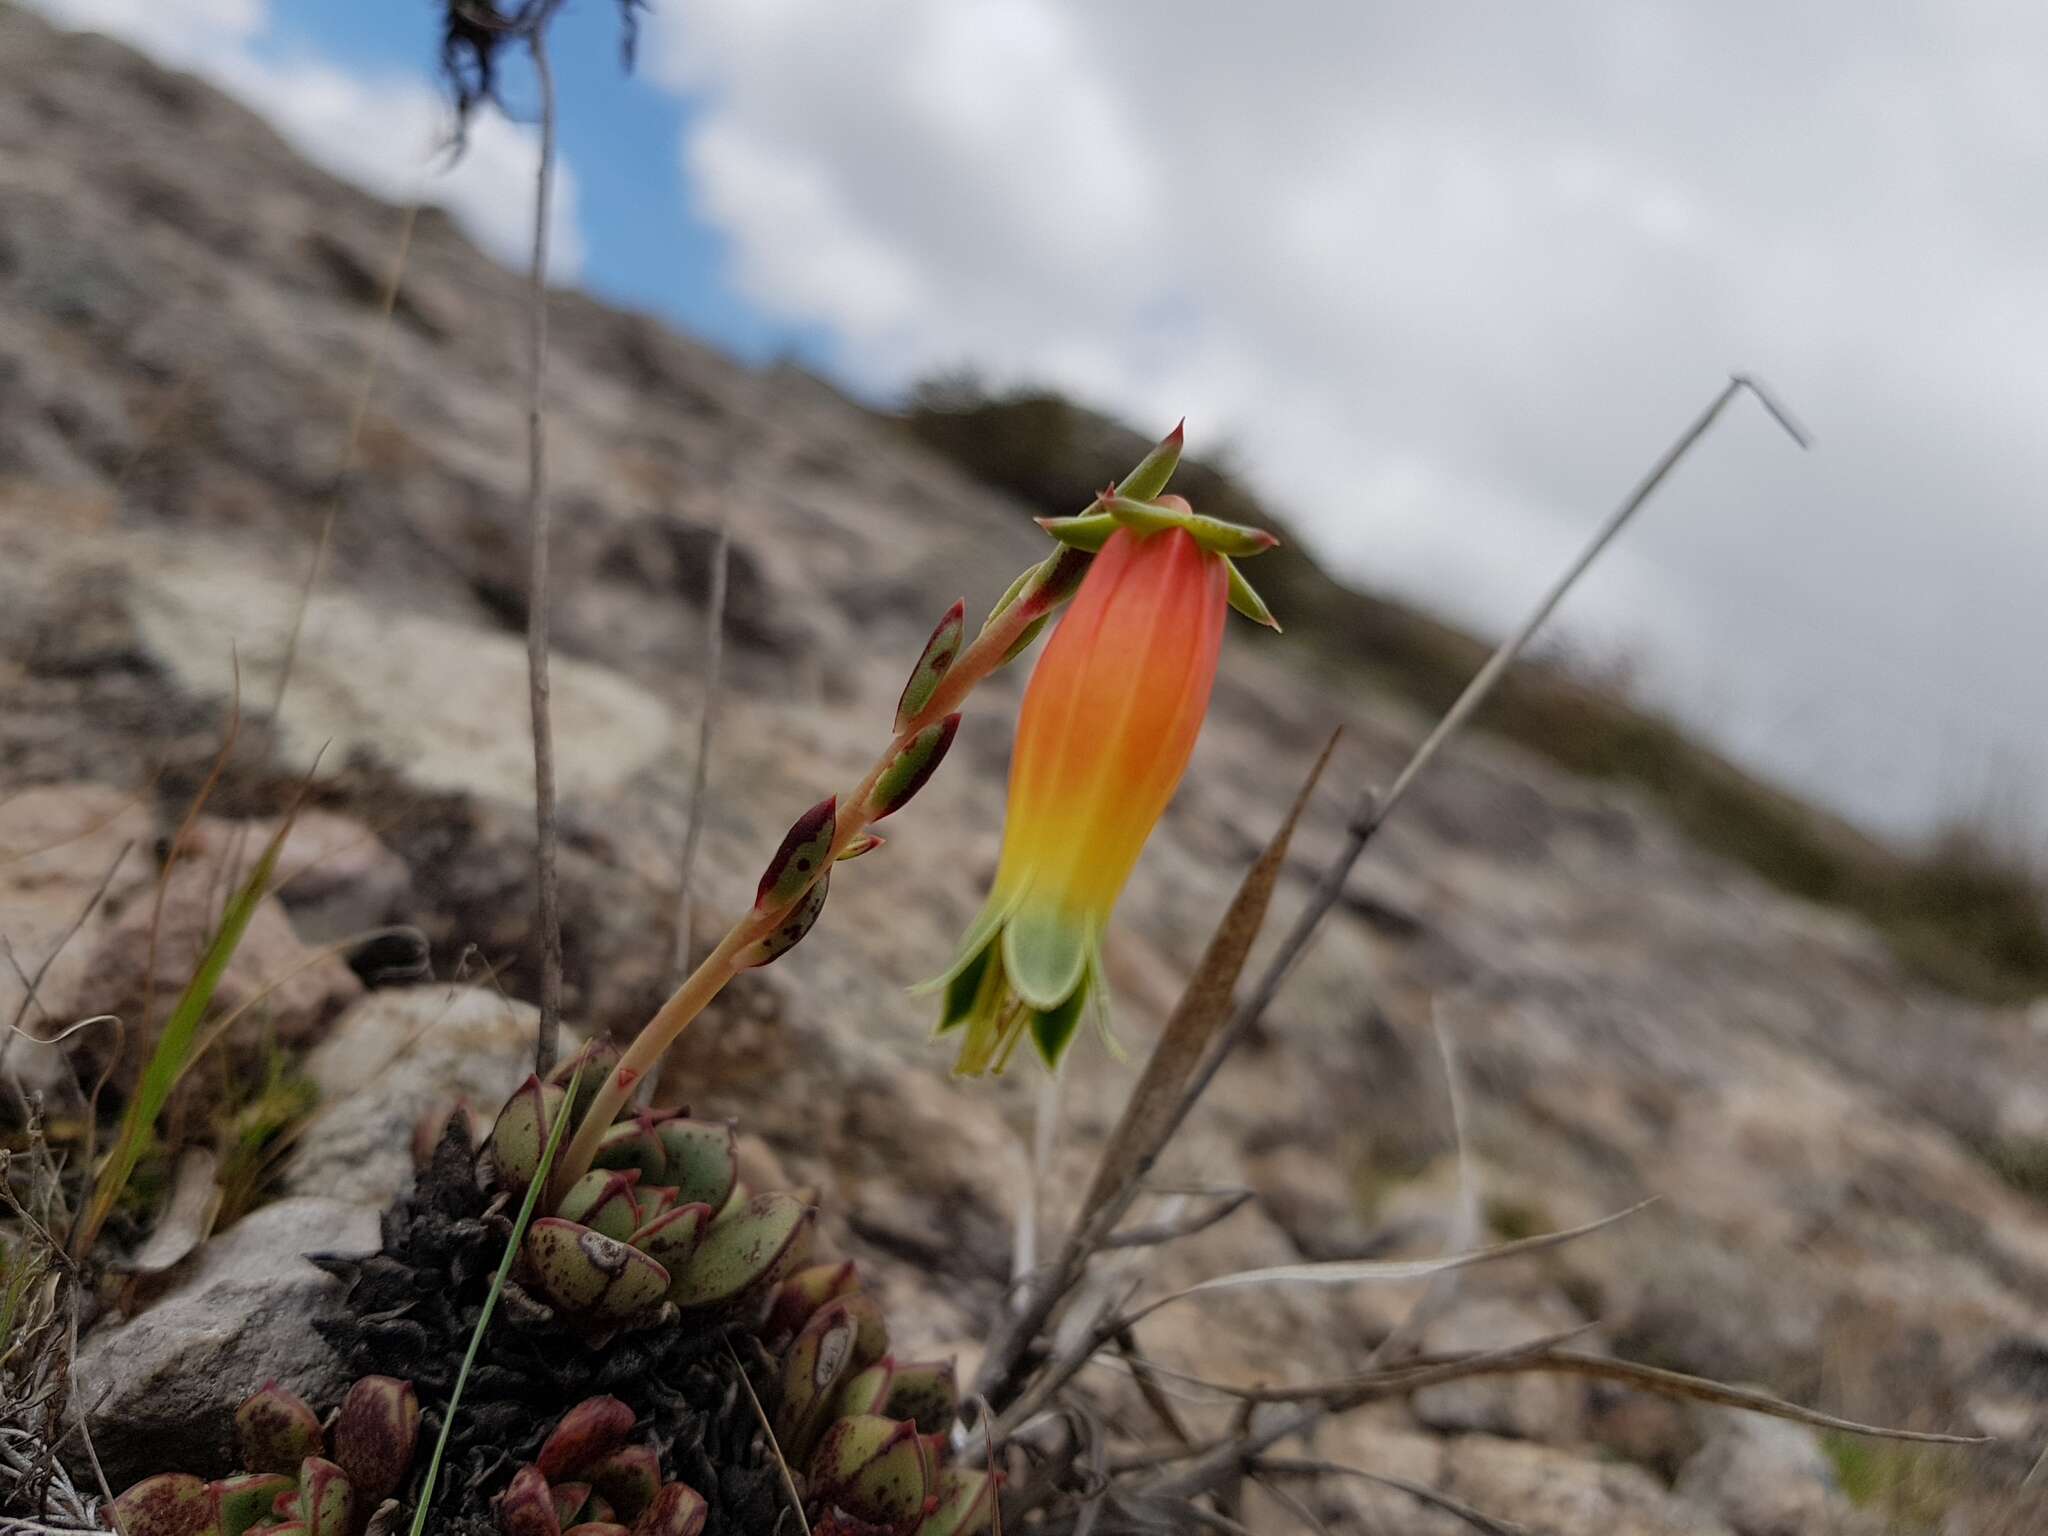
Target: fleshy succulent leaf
(603, 1200)
(584, 1436)
(634, 1144)
(241, 1501)
(967, 1504)
(597, 1528)
(375, 1432)
(866, 1391)
(521, 1132)
(588, 1274)
(932, 665)
(527, 1507)
(275, 1430)
(326, 1501)
(802, 1294)
(926, 1392)
(627, 1480)
(569, 1500)
(819, 1359)
(789, 931)
(911, 769)
(173, 1504)
(876, 1469)
(670, 1238)
(703, 1159)
(677, 1510)
(801, 855)
(596, 1058)
(746, 1251)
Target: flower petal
(1045, 952)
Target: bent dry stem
(1005, 632)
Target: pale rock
(161, 1387)
(1763, 1476)
(398, 1055)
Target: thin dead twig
(547, 1038)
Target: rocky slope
(186, 315)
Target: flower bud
(802, 854)
(912, 767)
(375, 1432)
(932, 665)
(788, 932)
(275, 1431)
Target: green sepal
(1152, 472)
(1246, 601)
(1090, 531)
(1234, 540)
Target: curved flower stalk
(793, 888)
(1108, 725)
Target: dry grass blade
(1649, 1378)
(1479, 1520)
(547, 1037)
(781, 1463)
(1381, 1271)
(1152, 1114)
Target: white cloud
(1448, 277)
(385, 132)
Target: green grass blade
(483, 1318)
(174, 1046)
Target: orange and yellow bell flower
(1108, 724)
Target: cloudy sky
(1442, 278)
